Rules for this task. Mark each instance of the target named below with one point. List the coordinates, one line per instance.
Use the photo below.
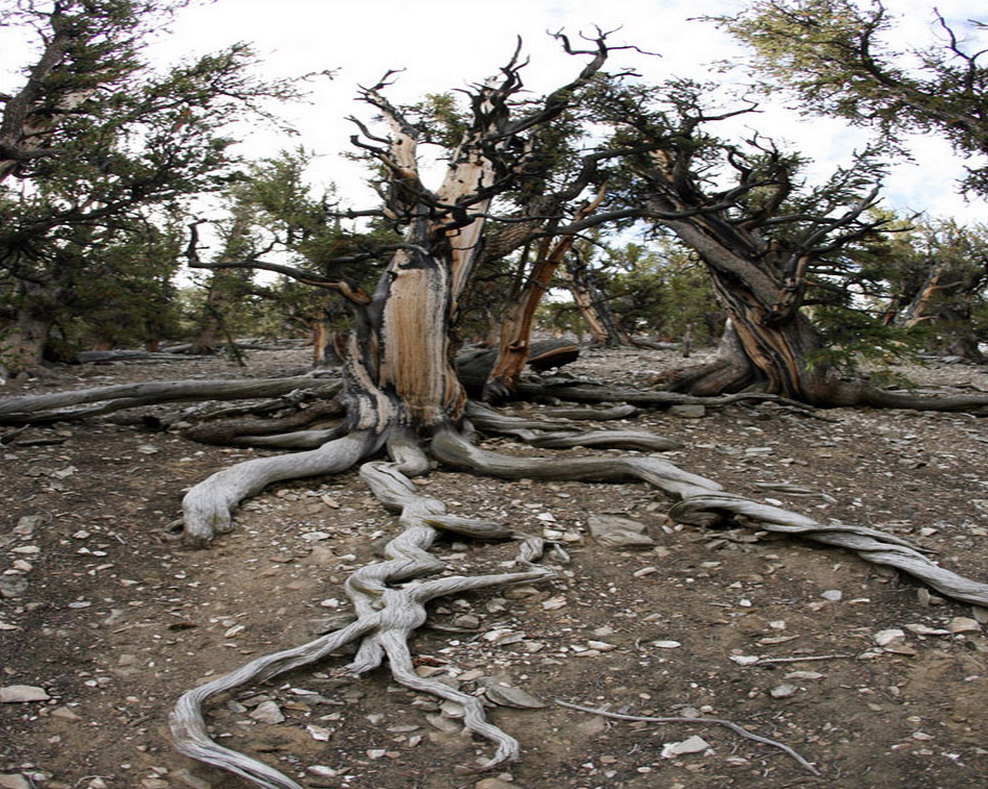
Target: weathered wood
(39, 409)
(474, 365)
(208, 506)
(704, 503)
(387, 614)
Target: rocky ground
(105, 620)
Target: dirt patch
(106, 614)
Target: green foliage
(835, 58)
(121, 143)
(273, 215)
(661, 291)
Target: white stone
(694, 744)
(14, 694)
(884, 637)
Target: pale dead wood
(387, 614)
(704, 502)
(37, 409)
(207, 507)
(685, 719)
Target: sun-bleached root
(63, 406)
(871, 545)
(208, 507)
(559, 434)
(387, 614)
(703, 502)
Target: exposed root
(209, 505)
(682, 719)
(871, 545)
(564, 434)
(268, 432)
(590, 392)
(386, 617)
(592, 414)
(47, 408)
(703, 502)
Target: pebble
(15, 694)
(495, 783)
(613, 531)
(694, 744)
(509, 696)
(13, 585)
(885, 637)
(963, 624)
(832, 594)
(267, 712)
(782, 691)
(926, 630)
(315, 536)
(666, 644)
(14, 781)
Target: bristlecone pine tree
(400, 394)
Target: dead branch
(682, 719)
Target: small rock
(613, 531)
(804, 675)
(885, 637)
(832, 594)
(14, 781)
(15, 694)
(963, 624)
(444, 725)
(13, 585)
(315, 536)
(508, 696)
(26, 525)
(189, 779)
(267, 712)
(452, 709)
(782, 691)
(495, 783)
(319, 733)
(694, 744)
(666, 644)
(926, 630)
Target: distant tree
(276, 222)
(93, 139)
(939, 283)
(663, 291)
(835, 57)
(777, 249)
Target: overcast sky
(446, 44)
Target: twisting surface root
(387, 614)
(208, 506)
(386, 617)
(683, 719)
(703, 503)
